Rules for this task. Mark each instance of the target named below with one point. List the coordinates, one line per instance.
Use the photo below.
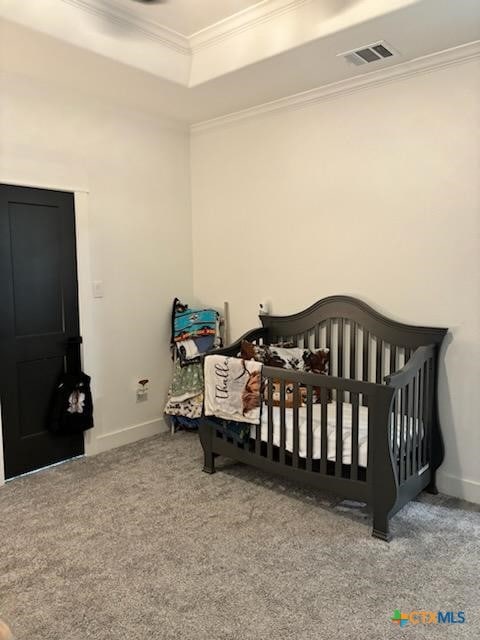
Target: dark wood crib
(380, 369)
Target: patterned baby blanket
(191, 323)
(185, 395)
(232, 388)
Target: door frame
(85, 299)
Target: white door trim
(85, 300)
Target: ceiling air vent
(370, 53)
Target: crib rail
(407, 424)
(411, 416)
(328, 438)
(355, 352)
(364, 344)
(256, 336)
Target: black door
(38, 316)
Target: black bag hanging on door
(72, 405)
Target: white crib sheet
(331, 431)
(316, 429)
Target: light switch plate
(98, 288)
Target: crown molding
(151, 30)
(260, 13)
(411, 68)
(249, 18)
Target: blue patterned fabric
(194, 323)
(181, 422)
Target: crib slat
(402, 434)
(421, 383)
(365, 361)
(414, 423)
(408, 469)
(419, 419)
(324, 429)
(379, 358)
(258, 438)
(393, 358)
(383, 361)
(339, 440)
(395, 409)
(317, 336)
(270, 419)
(354, 454)
(309, 427)
(426, 414)
(366, 355)
(426, 420)
(282, 422)
(296, 405)
(431, 396)
(340, 332)
(353, 350)
(328, 330)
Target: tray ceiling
(262, 54)
(185, 16)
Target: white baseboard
(458, 487)
(129, 435)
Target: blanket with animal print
(232, 388)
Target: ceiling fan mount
(119, 23)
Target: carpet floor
(139, 544)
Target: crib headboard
(364, 344)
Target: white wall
(374, 194)
(133, 205)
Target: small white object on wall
(142, 390)
(98, 288)
(263, 308)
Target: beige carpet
(139, 544)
